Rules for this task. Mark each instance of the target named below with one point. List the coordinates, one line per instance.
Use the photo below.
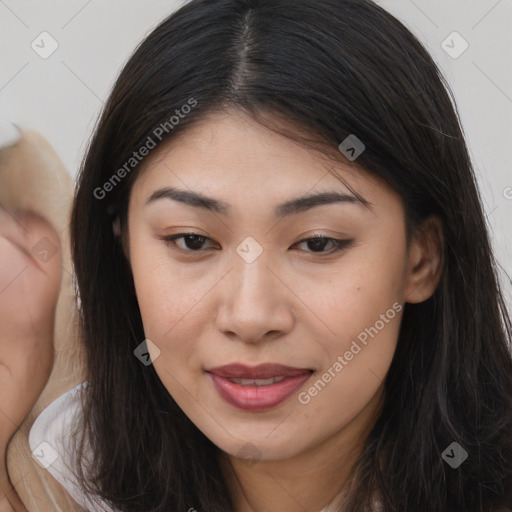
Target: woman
(288, 296)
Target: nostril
(9, 134)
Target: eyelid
(339, 244)
(168, 240)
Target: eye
(319, 242)
(192, 242)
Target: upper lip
(261, 371)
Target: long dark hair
(330, 68)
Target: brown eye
(318, 244)
(192, 242)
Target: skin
(292, 305)
(28, 297)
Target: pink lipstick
(257, 388)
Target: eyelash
(339, 245)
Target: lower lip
(253, 398)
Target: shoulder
(52, 444)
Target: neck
(288, 486)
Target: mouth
(257, 388)
(256, 382)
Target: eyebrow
(293, 206)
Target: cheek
(161, 294)
(362, 306)
(166, 317)
(364, 328)
(172, 306)
(366, 324)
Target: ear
(425, 260)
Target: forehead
(230, 155)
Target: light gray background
(61, 96)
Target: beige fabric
(32, 177)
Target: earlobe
(426, 255)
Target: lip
(261, 371)
(257, 398)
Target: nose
(255, 304)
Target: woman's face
(250, 288)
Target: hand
(30, 272)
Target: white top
(50, 442)
(51, 447)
